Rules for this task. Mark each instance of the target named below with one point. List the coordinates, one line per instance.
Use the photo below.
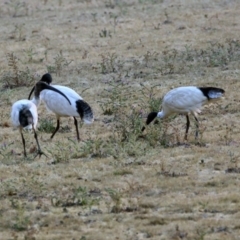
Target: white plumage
(58, 105)
(24, 113)
(17, 107)
(186, 100)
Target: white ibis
(24, 113)
(58, 105)
(186, 100)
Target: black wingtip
(85, 111)
(212, 92)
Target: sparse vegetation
(16, 8)
(16, 77)
(60, 63)
(46, 125)
(119, 181)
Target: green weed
(16, 77)
(79, 196)
(16, 8)
(46, 125)
(19, 33)
(116, 198)
(105, 33)
(94, 148)
(21, 220)
(110, 63)
(60, 63)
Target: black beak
(151, 116)
(31, 93)
(42, 86)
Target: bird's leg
(76, 125)
(197, 127)
(187, 127)
(56, 129)
(39, 152)
(23, 141)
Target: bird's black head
(47, 78)
(40, 86)
(151, 116)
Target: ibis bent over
(58, 105)
(186, 100)
(24, 113)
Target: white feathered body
(20, 105)
(184, 100)
(57, 104)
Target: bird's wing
(183, 100)
(56, 103)
(68, 92)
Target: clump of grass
(150, 56)
(60, 62)
(116, 198)
(105, 33)
(110, 63)
(115, 98)
(16, 8)
(94, 148)
(78, 196)
(128, 125)
(173, 61)
(16, 77)
(127, 121)
(150, 99)
(29, 52)
(5, 151)
(21, 220)
(46, 125)
(227, 138)
(19, 33)
(157, 134)
(61, 153)
(122, 172)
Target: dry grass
(122, 57)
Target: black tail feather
(212, 92)
(84, 111)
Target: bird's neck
(36, 100)
(161, 114)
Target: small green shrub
(46, 125)
(16, 77)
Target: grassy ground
(121, 57)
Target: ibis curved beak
(31, 93)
